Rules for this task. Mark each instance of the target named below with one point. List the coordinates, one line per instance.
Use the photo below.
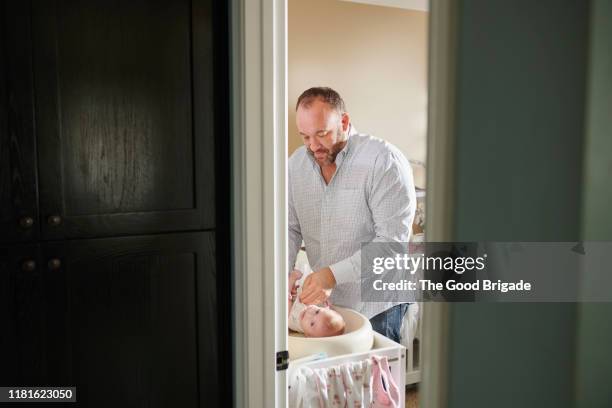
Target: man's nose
(314, 145)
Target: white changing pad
(357, 338)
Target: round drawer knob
(54, 220)
(28, 265)
(54, 264)
(26, 222)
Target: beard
(331, 154)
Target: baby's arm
(294, 276)
(290, 305)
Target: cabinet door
(18, 201)
(133, 321)
(22, 347)
(124, 99)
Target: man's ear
(346, 120)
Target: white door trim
(259, 135)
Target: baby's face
(316, 321)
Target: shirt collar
(345, 150)
(352, 131)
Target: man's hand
(317, 287)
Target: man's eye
(317, 312)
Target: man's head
(322, 122)
(319, 321)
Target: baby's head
(319, 321)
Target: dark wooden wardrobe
(114, 200)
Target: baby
(312, 320)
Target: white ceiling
(422, 5)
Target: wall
(594, 361)
(375, 57)
(520, 109)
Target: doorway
(261, 38)
(374, 54)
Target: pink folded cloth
(385, 391)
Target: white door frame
(259, 156)
(259, 225)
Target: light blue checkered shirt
(371, 198)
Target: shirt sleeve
(295, 233)
(392, 201)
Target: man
(345, 189)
